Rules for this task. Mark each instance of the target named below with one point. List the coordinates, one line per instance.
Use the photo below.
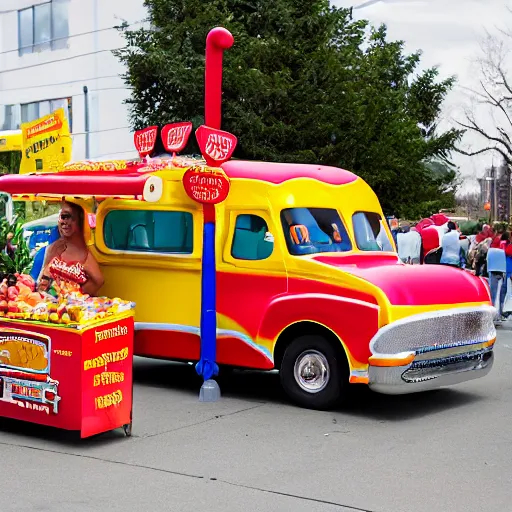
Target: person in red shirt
(496, 241)
(497, 238)
(429, 239)
(483, 235)
(440, 219)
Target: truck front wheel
(312, 374)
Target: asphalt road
(448, 450)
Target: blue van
(37, 233)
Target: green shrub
(22, 261)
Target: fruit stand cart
(74, 378)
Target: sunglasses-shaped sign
(216, 146)
(145, 140)
(206, 185)
(175, 136)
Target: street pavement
(448, 450)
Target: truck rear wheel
(312, 374)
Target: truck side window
(370, 233)
(314, 230)
(252, 240)
(152, 231)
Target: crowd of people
(487, 254)
(490, 255)
(430, 242)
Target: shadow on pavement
(265, 387)
(367, 404)
(253, 386)
(238, 384)
(32, 431)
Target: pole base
(210, 391)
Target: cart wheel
(127, 429)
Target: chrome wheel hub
(312, 371)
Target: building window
(32, 111)
(8, 118)
(314, 230)
(151, 231)
(252, 240)
(26, 30)
(29, 112)
(43, 27)
(60, 26)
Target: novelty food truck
(302, 283)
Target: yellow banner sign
(46, 144)
(10, 141)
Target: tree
(495, 94)
(437, 191)
(494, 97)
(10, 162)
(469, 202)
(22, 261)
(303, 83)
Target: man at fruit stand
(68, 260)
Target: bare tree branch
(504, 134)
(495, 92)
(505, 81)
(474, 127)
(496, 103)
(506, 157)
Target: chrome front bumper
(413, 378)
(433, 350)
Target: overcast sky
(449, 32)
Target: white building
(50, 51)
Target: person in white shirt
(450, 244)
(409, 245)
(383, 240)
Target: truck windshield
(314, 230)
(370, 233)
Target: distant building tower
(503, 193)
(495, 188)
(485, 189)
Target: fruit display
(61, 303)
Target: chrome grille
(449, 328)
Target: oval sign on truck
(145, 140)
(216, 146)
(175, 136)
(206, 185)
